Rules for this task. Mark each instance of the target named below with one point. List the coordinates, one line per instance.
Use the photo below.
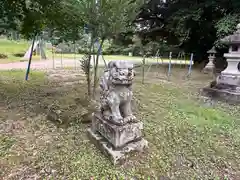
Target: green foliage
(226, 26)
(29, 17)
(11, 14)
(85, 65)
(194, 26)
(105, 18)
(3, 56)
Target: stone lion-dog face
(121, 72)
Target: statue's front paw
(117, 120)
(130, 118)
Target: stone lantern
(210, 66)
(231, 75)
(227, 84)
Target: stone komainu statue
(116, 92)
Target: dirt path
(45, 64)
(63, 63)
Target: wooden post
(169, 65)
(53, 58)
(190, 66)
(143, 69)
(75, 60)
(61, 59)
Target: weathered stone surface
(222, 94)
(116, 156)
(229, 79)
(115, 130)
(209, 69)
(227, 84)
(116, 92)
(118, 136)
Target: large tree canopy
(26, 16)
(191, 25)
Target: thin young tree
(104, 19)
(113, 18)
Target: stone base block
(222, 94)
(116, 156)
(208, 70)
(118, 136)
(233, 80)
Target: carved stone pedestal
(225, 94)
(118, 136)
(116, 141)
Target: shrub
(18, 54)
(3, 56)
(117, 50)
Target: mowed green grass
(10, 48)
(187, 139)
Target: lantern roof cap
(212, 51)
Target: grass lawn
(10, 48)
(187, 138)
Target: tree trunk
(93, 55)
(96, 69)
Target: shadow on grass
(39, 95)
